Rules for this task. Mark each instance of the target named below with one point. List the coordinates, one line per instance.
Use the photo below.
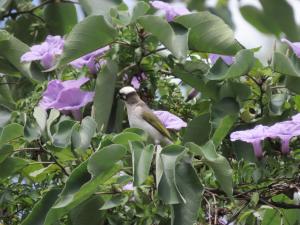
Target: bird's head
(129, 95)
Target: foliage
(55, 169)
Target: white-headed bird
(141, 116)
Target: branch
(54, 159)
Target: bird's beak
(121, 96)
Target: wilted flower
(128, 187)
(66, 96)
(285, 131)
(226, 58)
(45, 52)
(169, 120)
(253, 136)
(171, 11)
(294, 45)
(91, 60)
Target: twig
(209, 210)
(30, 11)
(154, 51)
(54, 159)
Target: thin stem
(154, 51)
(54, 159)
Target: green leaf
(285, 65)
(189, 185)
(10, 166)
(6, 98)
(293, 83)
(60, 17)
(282, 14)
(208, 33)
(43, 173)
(12, 49)
(40, 209)
(192, 73)
(62, 137)
(244, 61)
(98, 7)
(224, 107)
(217, 162)
(54, 114)
(81, 139)
(168, 191)
(114, 201)
(223, 128)
(32, 131)
(289, 216)
(104, 94)
(40, 116)
(5, 151)
(141, 161)
(107, 156)
(84, 38)
(5, 115)
(140, 9)
(10, 132)
(125, 137)
(259, 20)
(85, 180)
(174, 37)
(88, 212)
(4, 5)
(198, 130)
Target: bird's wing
(150, 117)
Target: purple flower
(296, 118)
(294, 45)
(226, 58)
(45, 52)
(91, 60)
(128, 187)
(136, 79)
(253, 136)
(285, 131)
(171, 11)
(66, 96)
(170, 121)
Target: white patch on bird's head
(127, 90)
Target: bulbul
(141, 116)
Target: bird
(141, 116)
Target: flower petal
(294, 45)
(170, 121)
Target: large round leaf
(209, 33)
(90, 34)
(173, 37)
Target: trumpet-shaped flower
(285, 131)
(294, 45)
(66, 96)
(171, 11)
(46, 52)
(169, 120)
(253, 136)
(226, 58)
(91, 60)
